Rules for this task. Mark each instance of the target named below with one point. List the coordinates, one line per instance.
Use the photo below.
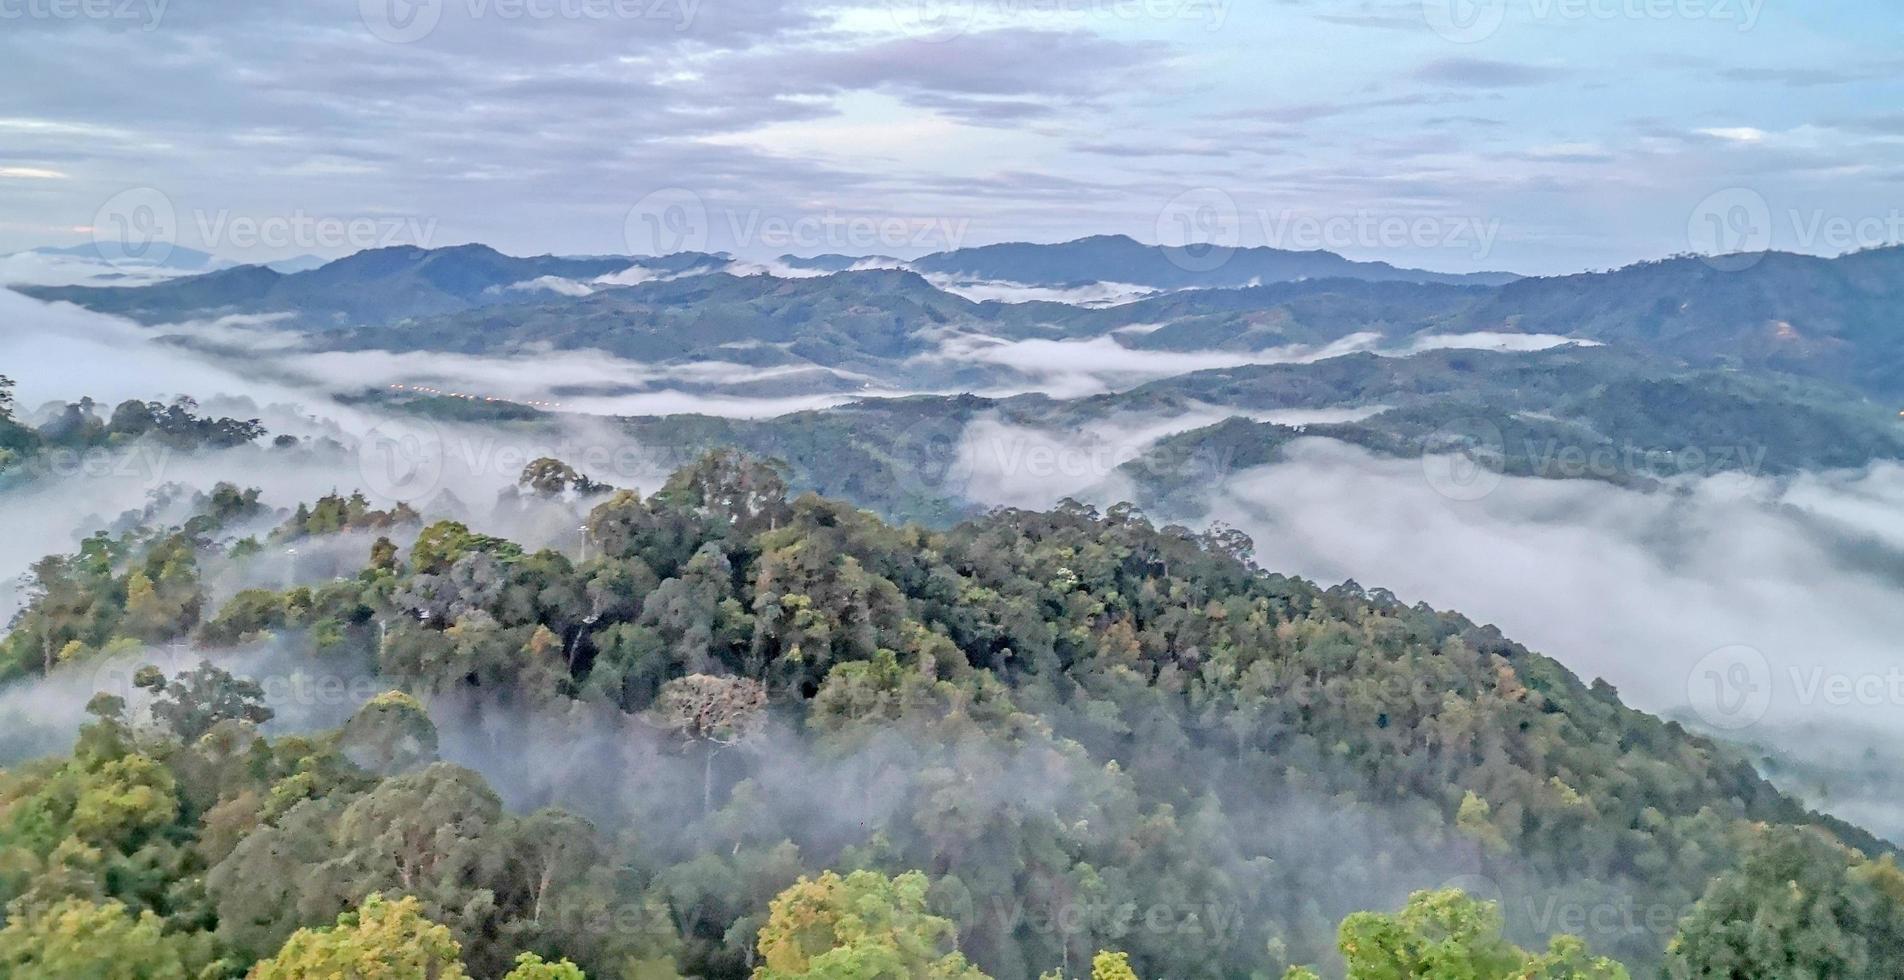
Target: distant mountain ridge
(1831, 318)
(1841, 318)
(174, 257)
(378, 286)
(849, 321)
(1121, 259)
(373, 286)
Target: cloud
(61, 351)
(41, 269)
(1484, 73)
(1142, 150)
(1884, 124)
(1090, 294)
(1634, 587)
(1810, 77)
(1006, 63)
(556, 285)
(1735, 134)
(539, 134)
(1002, 77)
(1077, 368)
(1002, 462)
(1490, 340)
(1074, 368)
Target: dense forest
(740, 733)
(1567, 413)
(1827, 319)
(76, 427)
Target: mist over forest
(357, 523)
(950, 490)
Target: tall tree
(381, 938)
(1799, 905)
(865, 926)
(390, 734)
(1446, 935)
(714, 713)
(87, 941)
(195, 701)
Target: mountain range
(1828, 318)
(1120, 259)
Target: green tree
(441, 544)
(1446, 935)
(390, 734)
(750, 494)
(548, 477)
(865, 926)
(1800, 905)
(529, 966)
(1443, 934)
(1112, 966)
(79, 940)
(195, 701)
(381, 939)
(1108, 966)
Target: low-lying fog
(1756, 609)
(1761, 610)
(1764, 610)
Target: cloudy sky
(1531, 135)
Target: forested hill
(1833, 318)
(1085, 732)
(1826, 318)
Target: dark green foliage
(1572, 413)
(192, 703)
(1801, 905)
(333, 513)
(373, 286)
(119, 593)
(1568, 413)
(391, 733)
(78, 428)
(547, 477)
(1089, 732)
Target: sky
(1534, 136)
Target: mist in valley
(1778, 585)
(1770, 588)
(1755, 609)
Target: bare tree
(715, 712)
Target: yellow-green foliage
(384, 940)
(529, 966)
(1446, 935)
(86, 941)
(864, 926)
(1112, 966)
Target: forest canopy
(753, 735)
